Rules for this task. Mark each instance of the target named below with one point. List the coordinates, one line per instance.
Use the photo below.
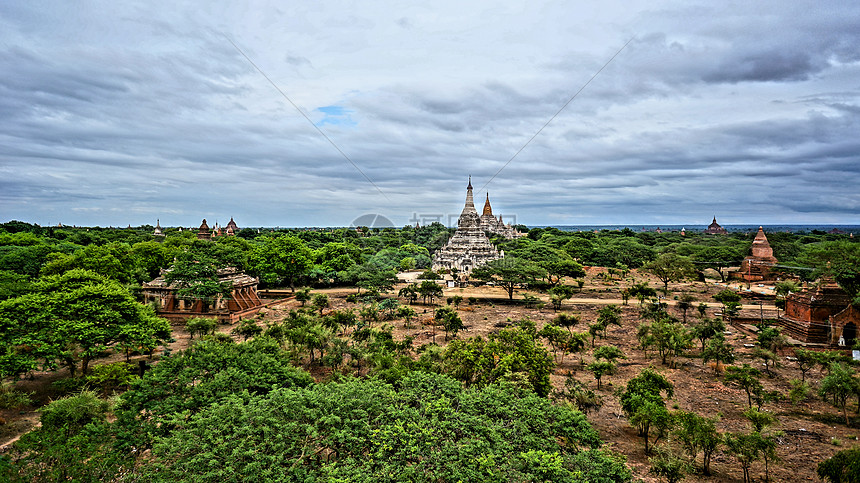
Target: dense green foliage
(239, 412)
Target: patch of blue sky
(335, 116)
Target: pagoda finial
(470, 183)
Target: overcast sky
(117, 115)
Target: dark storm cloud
(136, 112)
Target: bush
(799, 391)
(11, 398)
(110, 377)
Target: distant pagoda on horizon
(715, 229)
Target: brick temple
(821, 315)
(243, 300)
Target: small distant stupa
(756, 266)
(203, 233)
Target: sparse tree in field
(708, 328)
(557, 338)
(806, 360)
(566, 320)
(731, 303)
(450, 320)
(698, 433)
(609, 315)
(766, 441)
(389, 308)
(768, 358)
(558, 294)
(718, 258)
(601, 368)
(509, 273)
(580, 394)
(670, 267)
(642, 291)
(409, 292)
(685, 303)
(608, 353)
(576, 343)
(320, 302)
(746, 378)
(429, 289)
(247, 328)
(303, 295)
(643, 403)
(840, 384)
(719, 351)
(407, 313)
(746, 448)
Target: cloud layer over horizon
(116, 115)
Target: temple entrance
(849, 332)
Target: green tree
(669, 466)
(718, 258)
(429, 289)
(282, 259)
(840, 384)
(670, 267)
(303, 295)
(407, 313)
(601, 368)
(746, 448)
(72, 443)
(320, 302)
(558, 294)
(609, 353)
(642, 291)
(557, 339)
(746, 378)
(685, 303)
(509, 273)
(247, 329)
(72, 319)
(708, 329)
(719, 351)
(643, 403)
(200, 326)
(450, 320)
(698, 434)
(410, 293)
(566, 320)
(194, 274)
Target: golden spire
(488, 210)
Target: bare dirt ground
(813, 431)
